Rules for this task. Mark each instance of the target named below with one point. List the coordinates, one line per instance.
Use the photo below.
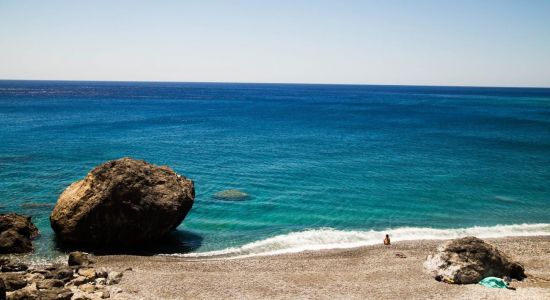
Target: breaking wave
(328, 238)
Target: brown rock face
(16, 233)
(469, 259)
(122, 202)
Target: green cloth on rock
(494, 282)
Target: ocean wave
(328, 238)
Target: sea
(325, 166)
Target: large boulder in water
(16, 233)
(469, 259)
(122, 202)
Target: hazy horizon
(429, 43)
(281, 83)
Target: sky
(422, 42)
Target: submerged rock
(16, 233)
(36, 205)
(233, 195)
(469, 259)
(122, 202)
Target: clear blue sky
(487, 43)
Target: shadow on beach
(177, 241)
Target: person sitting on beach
(387, 240)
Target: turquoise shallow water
(333, 161)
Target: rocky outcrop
(59, 282)
(122, 202)
(16, 233)
(468, 260)
(231, 195)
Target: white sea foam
(328, 238)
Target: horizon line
(282, 83)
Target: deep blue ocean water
(322, 159)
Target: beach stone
(13, 281)
(49, 284)
(16, 233)
(101, 273)
(80, 280)
(78, 258)
(469, 259)
(23, 294)
(55, 294)
(80, 296)
(114, 278)
(105, 294)
(87, 288)
(63, 273)
(4, 261)
(87, 272)
(14, 267)
(122, 202)
(232, 195)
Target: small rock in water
(234, 195)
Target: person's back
(387, 240)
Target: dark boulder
(14, 267)
(78, 258)
(16, 233)
(2, 289)
(122, 202)
(63, 273)
(469, 259)
(13, 281)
